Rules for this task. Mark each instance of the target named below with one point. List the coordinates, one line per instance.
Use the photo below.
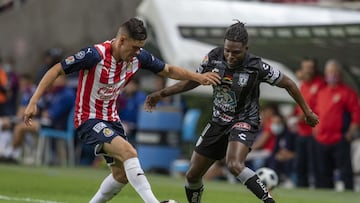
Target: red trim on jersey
(77, 102)
(107, 64)
(118, 70)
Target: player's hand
(151, 101)
(29, 112)
(311, 119)
(209, 78)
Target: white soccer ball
(268, 177)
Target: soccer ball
(169, 201)
(268, 177)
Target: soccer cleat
(194, 196)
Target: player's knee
(235, 167)
(192, 178)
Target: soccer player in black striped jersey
(235, 120)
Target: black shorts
(96, 132)
(214, 139)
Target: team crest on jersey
(69, 60)
(80, 55)
(108, 132)
(225, 98)
(243, 79)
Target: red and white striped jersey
(102, 78)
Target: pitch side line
(3, 197)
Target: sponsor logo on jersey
(99, 126)
(242, 125)
(226, 118)
(265, 66)
(243, 79)
(108, 132)
(242, 136)
(80, 55)
(70, 60)
(108, 92)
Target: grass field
(19, 184)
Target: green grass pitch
(19, 184)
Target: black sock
(194, 195)
(255, 185)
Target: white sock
(138, 180)
(5, 140)
(8, 151)
(108, 189)
(17, 153)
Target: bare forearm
(46, 82)
(179, 87)
(295, 93)
(178, 73)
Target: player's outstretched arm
(178, 73)
(153, 98)
(290, 86)
(45, 83)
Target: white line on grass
(2, 197)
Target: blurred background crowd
(36, 34)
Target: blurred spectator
(51, 57)
(265, 141)
(312, 82)
(3, 89)
(339, 113)
(133, 100)
(282, 158)
(54, 114)
(12, 87)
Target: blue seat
(189, 125)
(154, 154)
(160, 121)
(67, 135)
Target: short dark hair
(135, 29)
(237, 33)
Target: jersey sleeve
(269, 74)
(150, 62)
(86, 58)
(203, 65)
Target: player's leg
(110, 140)
(122, 150)
(112, 184)
(240, 139)
(211, 146)
(193, 183)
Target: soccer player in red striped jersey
(104, 69)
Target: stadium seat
(189, 125)
(67, 135)
(158, 138)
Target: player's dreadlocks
(135, 29)
(237, 33)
